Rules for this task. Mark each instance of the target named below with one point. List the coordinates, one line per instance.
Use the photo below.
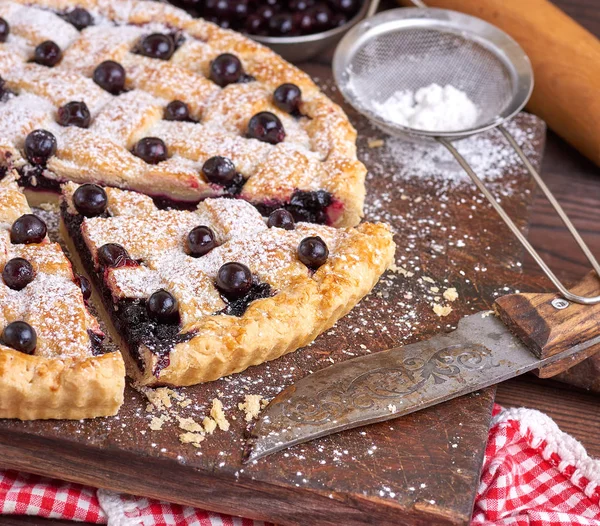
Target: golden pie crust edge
(275, 326)
(35, 387)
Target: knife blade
(378, 387)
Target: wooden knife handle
(565, 59)
(548, 324)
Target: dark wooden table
(576, 182)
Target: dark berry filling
(151, 149)
(266, 127)
(131, 318)
(32, 177)
(20, 336)
(4, 30)
(85, 286)
(80, 18)
(28, 229)
(74, 113)
(90, 200)
(17, 273)
(306, 206)
(96, 342)
(238, 307)
(40, 145)
(47, 54)
(110, 76)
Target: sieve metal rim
(504, 47)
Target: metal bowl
(303, 48)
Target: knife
(527, 332)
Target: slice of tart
(197, 295)
(52, 364)
(139, 95)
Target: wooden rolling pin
(566, 63)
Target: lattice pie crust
(319, 151)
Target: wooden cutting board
(420, 469)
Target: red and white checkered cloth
(533, 475)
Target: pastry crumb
(441, 310)
(428, 279)
(189, 424)
(392, 408)
(157, 422)
(252, 406)
(400, 270)
(191, 438)
(450, 294)
(375, 143)
(209, 425)
(218, 415)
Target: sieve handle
(565, 293)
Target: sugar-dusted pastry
(196, 295)
(138, 95)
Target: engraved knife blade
(389, 384)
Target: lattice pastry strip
(49, 361)
(140, 256)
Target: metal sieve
(409, 48)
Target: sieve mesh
(409, 58)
